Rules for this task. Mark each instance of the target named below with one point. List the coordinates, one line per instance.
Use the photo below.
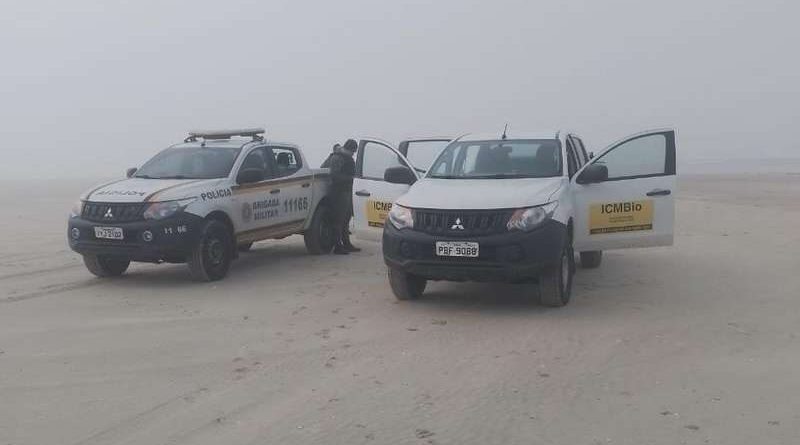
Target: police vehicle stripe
(288, 228)
(153, 195)
(89, 195)
(247, 188)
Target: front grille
(458, 223)
(113, 212)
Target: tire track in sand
(50, 290)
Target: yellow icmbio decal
(628, 216)
(377, 211)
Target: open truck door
(372, 194)
(625, 196)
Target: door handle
(274, 191)
(306, 185)
(659, 192)
(363, 193)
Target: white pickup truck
(201, 202)
(515, 207)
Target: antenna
(505, 130)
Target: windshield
(422, 153)
(539, 158)
(190, 163)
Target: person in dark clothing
(327, 163)
(342, 169)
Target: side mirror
(591, 155)
(399, 175)
(250, 175)
(130, 172)
(592, 174)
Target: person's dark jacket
(327, 163)
(342, 170)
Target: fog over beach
(91, 88)
(692, 343)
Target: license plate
(108, 233)
(457, 248)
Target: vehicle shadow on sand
(624, 282)
(264, 260)
(630, 281)
(501, 297)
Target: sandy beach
(695, 343)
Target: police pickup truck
(503, 208)
(201, 202)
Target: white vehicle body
(632, 207)
(280, 202)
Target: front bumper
(172, 238)
(508, 257)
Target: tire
(211, 257)
(319, 237)
(106, 266)
(591, 259)
(245, 247)
(406, 286)
(555, 282)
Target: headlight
(531, 217)
(77, 210)
(401, 217)
(165, 209)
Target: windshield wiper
(174, 177)
(144, 177)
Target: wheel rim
(215, 251)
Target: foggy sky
(88, 88)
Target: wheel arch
(219, 215)
(324, 201)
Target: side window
(257, 163)
(286, 161)
(376, 158)
(421, 154)
(572, 160)
(648, 155)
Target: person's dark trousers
(346, 237)
(342, 209)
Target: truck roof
(230, 138)
(231, 143)
(541, 134)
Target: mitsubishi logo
(457, 225)
(108, 214)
